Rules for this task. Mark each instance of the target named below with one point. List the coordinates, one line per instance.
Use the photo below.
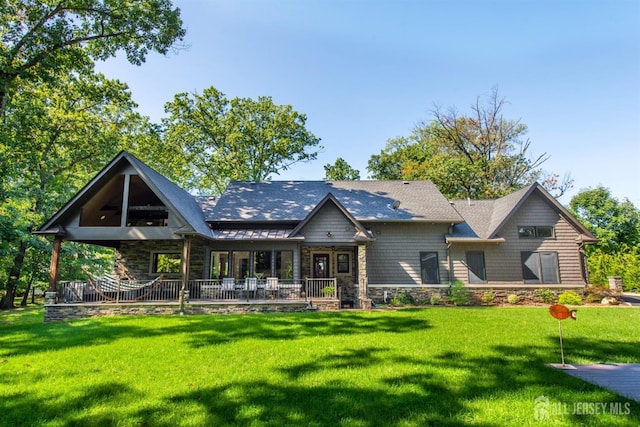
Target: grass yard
(414, 367)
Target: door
(321, 266)
(475, 264)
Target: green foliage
(513, 299)
(595, 294)
(569, 297)
(42, 39)
(481, 155)
(488, 296)
(310, 368)
(340, 171)
(402, 298)
(209, 140)
(546, 295)
(435, 299)
(458, 293)
(328, 291)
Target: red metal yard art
(561, 312)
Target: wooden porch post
(186, 261)
(55, 263)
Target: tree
(56, 135)
(42, 38)
(482, 155)
(617, 225)
(340, 171)
(209, 140)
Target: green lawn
(414, 367)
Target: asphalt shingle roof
(365, 200)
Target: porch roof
(253, 234)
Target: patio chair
(251, 285)
(272, 286)
(228, 287)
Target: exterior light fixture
(329, 234)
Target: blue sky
(365, 71)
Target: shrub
(570, 297)
(513, 299)
(403, 298)
(596, 293)
(546, 295)
(435, 299)
(458, 293)
(488, 296)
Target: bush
(435, 299)
(570, 297)
(488, 296)
(403, 298)
(458, 293)
(513, 299)
(596, 293)
(546, 295)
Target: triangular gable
(181, 203)
(506, 207)
(361, 233)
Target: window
(241, 264)
(429, 267)
(284, 264)
(166, 263)
(262, 263)
(344, 263)
(540, 267)
(219, 264)
(530, 231)
(475, 265)
(145, 208)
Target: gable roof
(363, 200)
(485, 218)
(175, 198)
(361, 233)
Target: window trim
(349, 263)
(437, 272)
(535, 229)
(153, 267)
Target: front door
(321, 266)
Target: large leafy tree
(341, 171)
(56, 136)
(42, 38)
(617, 225)
(209, 140)
(480, 155)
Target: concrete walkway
(621, 378)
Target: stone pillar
(364, 302)
(50, 298)
(615, 283)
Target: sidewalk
(621, 378)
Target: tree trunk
(6, 302)
(25, 298)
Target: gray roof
(365, 200)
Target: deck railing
(228, 289)
(322, 288)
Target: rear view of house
(345, 241)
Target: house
(350, 241)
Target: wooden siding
(328, 219)
(502, 261)
(394, 257)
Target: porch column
(55, 262)
(186, 261)
(364, 301)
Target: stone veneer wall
(422, 295)
(59, 312)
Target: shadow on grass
(200, 331)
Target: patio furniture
(228, 288)
(250, 285)
(272, 287)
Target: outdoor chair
(272, 286)
(228, 287)
(251, 285)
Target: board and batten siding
(394, 257)
(503, 261)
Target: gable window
(539, 231)
(429, 267)
(145, 208)
(166, 262)
(343, 261)
(540, 267)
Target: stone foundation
(325, 304)
(58, 312)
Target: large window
(219, 264)
(429, 267)
(284, 264)
(540, 267)
(166, 262)
(476, 267)
(262, 263)
(241, 264)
